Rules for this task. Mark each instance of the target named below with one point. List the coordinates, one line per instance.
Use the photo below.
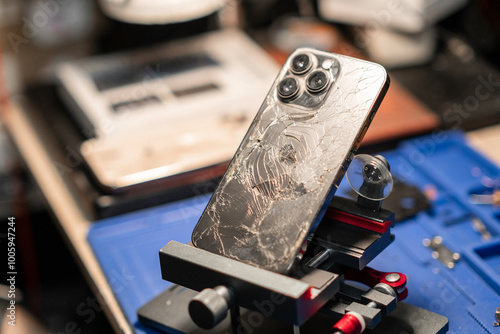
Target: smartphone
(287, 168)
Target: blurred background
(112, 106)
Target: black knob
(209, 307)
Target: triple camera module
(307, 79)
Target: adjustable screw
(392, 278)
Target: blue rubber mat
(441, 165)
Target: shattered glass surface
(290, 162)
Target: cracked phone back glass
(295, 153)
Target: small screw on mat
(497, 316)
(488, 199)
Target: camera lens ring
(301, 63)
(288, 88)
(317, 81)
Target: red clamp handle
(350, 323)
(372, 277)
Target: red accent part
(309, 294)
(403, 294)
(348, 324)
(365, 223)
(372, 277)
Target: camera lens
(317, 81)
(288, 88)
(301, 63)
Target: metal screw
(497, 317)
(438, 240)
(392, 278)
(319, 258)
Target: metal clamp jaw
(353, 235)
(294, 300)
(380, 280)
